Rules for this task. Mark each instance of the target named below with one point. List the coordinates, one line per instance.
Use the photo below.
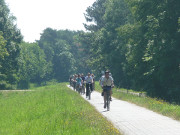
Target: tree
(94, 14)
(12, 36)
(61, 51)
(154, 50)
(106, 47)
(32, 65)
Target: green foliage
(10, 37)
(56, 46)
(65, 50)
(106, 49)
(160, 49)
(139, 42)
(32, 65)
(5, 86)
(94, 14)
(3, 49)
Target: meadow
(50, 110)
(154, 104)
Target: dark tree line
(64, 53)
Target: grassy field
(156, 105)
(50, 110)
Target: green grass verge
(153, 104)
(50, 110)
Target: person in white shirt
(89, 81)
(107, 85)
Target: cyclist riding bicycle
(78, 83)
(74, 82)
(89, 81)
(82, 77)
(107, 85)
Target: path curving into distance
(131, 119)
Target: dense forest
(137, 40)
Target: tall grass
(50, 110)
(159, 106)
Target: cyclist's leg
(91, 87)
(87, 89)
(104, 98)
(108, 99)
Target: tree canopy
(139, 42)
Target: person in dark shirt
(82, 77)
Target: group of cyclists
(80, 83)
(86, 84)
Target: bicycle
(108, 97)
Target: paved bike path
(131, 119)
